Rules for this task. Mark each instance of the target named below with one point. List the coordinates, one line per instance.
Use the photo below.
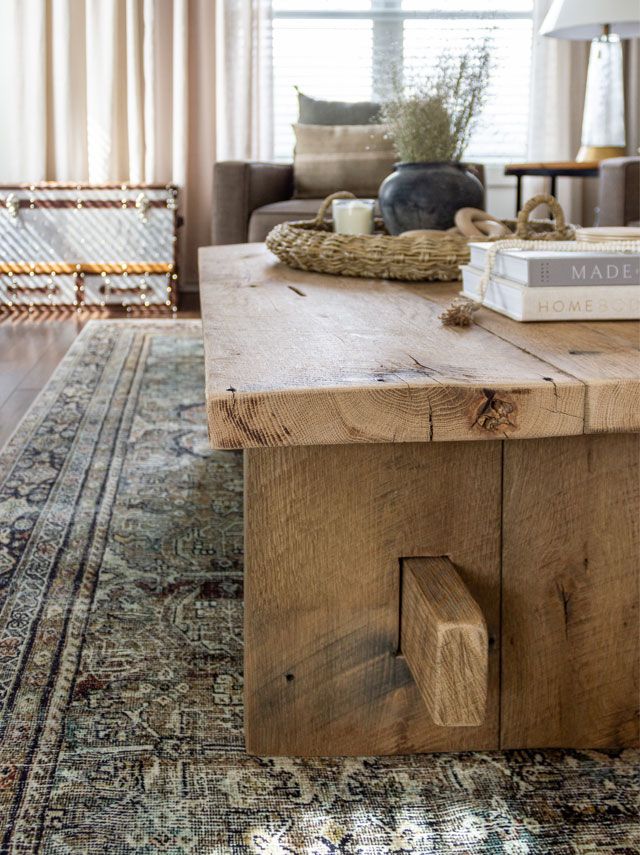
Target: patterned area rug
(120, 656)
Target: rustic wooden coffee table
(441, 536)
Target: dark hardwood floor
(30, 350)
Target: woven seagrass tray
(312, 245)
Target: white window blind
(345, 50)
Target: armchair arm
(619, 191)
(239, 187)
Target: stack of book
(542, 285)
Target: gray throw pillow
(313, 111)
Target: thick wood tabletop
(296, 358)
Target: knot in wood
(494, 413)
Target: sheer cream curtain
(135, 90)
(558, 80)
(245, 80)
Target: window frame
(387, 18)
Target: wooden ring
(492, 228)
(473, 222)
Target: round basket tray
(313, 245)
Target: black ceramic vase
(427, 195)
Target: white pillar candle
(353, 216)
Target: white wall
(500, 197)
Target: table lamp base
(603, 131)
(596, 153)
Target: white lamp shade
(584, 19)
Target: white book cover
(544, 269)
(524, 303)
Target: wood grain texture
(29, 353)
(445, 642)
(602, 355)
(345, 391)
(326, 528)
(296, 358)
(571, 561)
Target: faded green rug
(120, 656)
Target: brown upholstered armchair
(619, 192)
(249, 199)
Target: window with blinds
(345, 50)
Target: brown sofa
(249, 199)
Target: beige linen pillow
(341, 157)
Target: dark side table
(552, 170)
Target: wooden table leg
(326, 529)
(571, 563)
